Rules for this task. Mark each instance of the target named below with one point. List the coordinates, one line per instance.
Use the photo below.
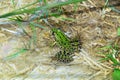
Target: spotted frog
(66, 45)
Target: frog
(63, 41)
(68, 46)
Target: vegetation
(110, 52)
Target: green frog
(62, 40)
(67, 46)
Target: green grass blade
(34, 35)
(118, 31)
(106, 47)
(67, 19)
(32, 10)
(115, 62)
(36, 25)
(106, 3)
(114, 9)
(116, 74)
(21, 51)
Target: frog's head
(55, 30)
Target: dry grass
(97, 28)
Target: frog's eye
(59, 30)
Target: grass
(113, 8)
(116, 74)
(14, 55)
(28, 10)
(18, 16)
(111, 51)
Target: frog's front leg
(77, 44)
